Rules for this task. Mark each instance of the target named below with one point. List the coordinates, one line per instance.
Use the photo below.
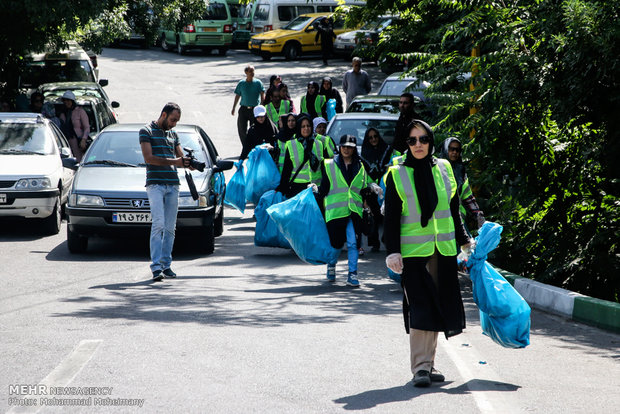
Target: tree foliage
(547, 89)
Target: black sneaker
(436, 376)
(422, 378)
(157, 276)
(169, 274)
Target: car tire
(163, 43)
(218, 224)
(76, 242)
(208, 242)
(222, 51)
(51, 224)
(291, 51)
(180, 48)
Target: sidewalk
(600, 313)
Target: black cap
(348, 141)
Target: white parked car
(36, 169)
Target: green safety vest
(415, 240)
(343, 199)
(296, 153)
(318, 104)
(328, 144)
(465, 193)
(282, 147)
(274, 115)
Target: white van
(274, 14)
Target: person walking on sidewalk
(320, 128)
(251, 93)
(262, 131)
(422, 221)
(356, 81)
(328, 90)
(406, 107)
(312, 103)
(325, 30)
(277, 106)
(163, 154)
(343, 183)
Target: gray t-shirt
(354, 84)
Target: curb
(581, 308)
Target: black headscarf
(457, 166)
(310, 100)
(423, 174)
(286, 133)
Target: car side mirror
(310, 28)
(65, 152)
(70, 162)
(115, 104)
(223, 165)
(103, 82)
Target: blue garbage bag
(267, 233)
(331, 109)
(301, 222)
(504, 314)
(235, 189)
(261, 174)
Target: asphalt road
(251, 329)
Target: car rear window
(215, 11)
(397, 87)
(56, 71)
(384, 107)
(23, 138)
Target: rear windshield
(56, 71)
(261, 13)
(22, 138)
(215, 11)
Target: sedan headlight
(33, 184)
(187, 201)
(269, 42)
(85, 200)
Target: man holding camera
(163, 154)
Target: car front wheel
(218, 223)
(51, 224)
(208, 239)
(163, 43)
(76, 242)
(291, 51)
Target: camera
(193, 162)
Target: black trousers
(245, 118)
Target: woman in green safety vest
(286, 133)
(277, 106)
(312, 103)
(422, 221)
(451, 150)
(302, 159)
(320, 128)
(343, 187)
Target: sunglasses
(455, 149)
(424, 139)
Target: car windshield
(56, 71)
(124, 147)
(398, 86)
(215, 11)
(298, 24)
(382, 107)
(22, 138)
(358, 127)
(57, 93)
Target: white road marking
(64, 373)
(467, 361)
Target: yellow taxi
(294, 39)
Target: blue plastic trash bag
(267, 233)
(261, 174)
(331, 109)
(235, 189)
(301, 222)
(504, 314)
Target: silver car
(108, 196)
(356, 124)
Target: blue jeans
(352, 252)
(164, 201)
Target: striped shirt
(163, 144)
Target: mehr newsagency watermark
(21, 395)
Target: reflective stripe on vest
(343, 199)
(328, 144)
(318, 104)
(282, 147)
(418, 241)
(465, 194)
(274, 115)
(296, 154)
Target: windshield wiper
(19, 151)
(110, 162)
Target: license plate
(3, 198)
(208, 29)
(131, 217)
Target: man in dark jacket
(325, 29)
(406, 106)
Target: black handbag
(368, 222)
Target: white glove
(468, 248)
(315, 188)
(375, 188)
(395, 262)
